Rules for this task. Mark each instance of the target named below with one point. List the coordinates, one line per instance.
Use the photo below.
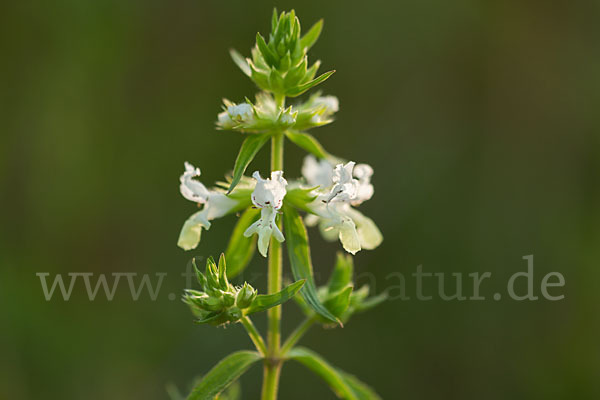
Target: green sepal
(295, 75)
(212, 274)
(276, 84)
(310, 38)
(199, 275)
(312, 72)
(265, 301)
(268, 54)
(299, 255)
(307, 142)
(337, 303)
(251, 145)
(223, 374)
(298, 90)
(223, 282)
(240, 248)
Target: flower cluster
(215, 204)
(338, 190)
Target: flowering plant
(271, 209)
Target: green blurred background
(480, 119)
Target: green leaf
(307, 142)
(223, 374)
(265, 301)
(330, 374)
(299, 254)
(240, 61)
(309, 39)
(360, 389)
(251, 145)
(298, 90)
(311, 72)
(339, 302)
(240, 248)
(342, 273)
(295, 75)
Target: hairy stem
(272, 362)
(255, 336)
(296, 335)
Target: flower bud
(211, 303)
(234, 314)
(228, 299)
(245, 296)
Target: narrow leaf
(309, 39)
(252, 144)
(330, 374)
(308, 143)
(240, 61)
(265, 301)
(360, 389)
(298, 90)
(240, 248)
(223, 374)
(299, 254)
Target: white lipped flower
(349, 185)
(330, 103)
(235, 114)
(215, 205)
(268, 195)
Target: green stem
(296, 335)
(272, 368)
(255, 336)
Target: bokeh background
(480, 119)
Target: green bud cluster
(219, 301)
(280, 65)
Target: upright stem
(272, 361)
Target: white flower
(287, 118)
(330, 103)
(268, 196)
(334, 214)
(317, 173)
(345, 186)
(241, 112)
(190, 188)
(364, 190)
(224, 120)
(216, 205)
(326, 106)
(235, 115)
